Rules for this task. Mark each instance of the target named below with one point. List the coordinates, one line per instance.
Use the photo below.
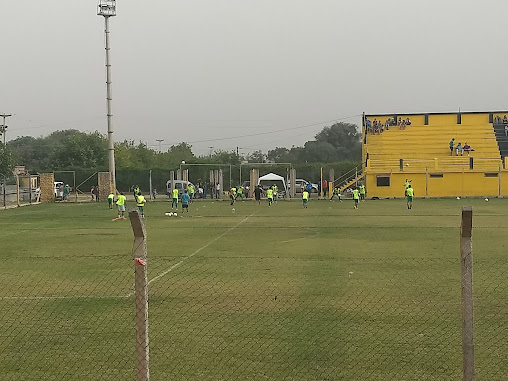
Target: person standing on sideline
(217, 191)
(174, 201)
(66, 192)
(451, 144)
(120, 202)
(185, 201)
(111, 198)
(258, 191)
(305, 198)
(409, 196)
(269, 196)
(356, 197)
(362, 192)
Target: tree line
(72, 149)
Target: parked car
(302, 184)
(181, 185)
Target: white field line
(12, 233)
(298, 239)
(131, 293)
(197, 251)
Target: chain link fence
(249, 318)
(19, 190)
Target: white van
(58, 191)
(181, 185)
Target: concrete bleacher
(425, 147)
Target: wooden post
(17, 190)
(141, 292)
(321, 185)
(466, 260)
(151, 189)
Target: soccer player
(269, 196)
(174, 202)
(356, 197)
(409, 196)
(140, 202)
(185, 201)
(305, 198)
(111, 198)
(232, 195)
(275, 189)
(407, 184)
(120, 202)
(191, 192)
(258, 191)
(362, 192)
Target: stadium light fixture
(107, 9)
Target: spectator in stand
(387, 124)
(459, 149)
(369, 125)
(467, 148)
(497, 119)
(408, 122)
(451, 144)
(505, 120)
(506, 129)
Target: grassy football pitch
(255, 293)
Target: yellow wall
(442, 119)
(475, 118)
(452, 184)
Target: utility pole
(107, 9)
(3, 127)
(160, 144)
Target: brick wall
(47, 187)
(105, 185)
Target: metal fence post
(141, 292)
(466, 260)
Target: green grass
(280, 293)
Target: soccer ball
(407, 164)
(486, 199)
(175, 214)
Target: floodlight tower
(3, 127)
(107, 9)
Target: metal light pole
(160, 144)
(107, 9)
(3, 127)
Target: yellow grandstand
(419, 150)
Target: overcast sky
(214, 69)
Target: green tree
(345, 138)
(256, 157)
(279, 154)
(225, 157)
(6, 160)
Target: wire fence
(250, 318)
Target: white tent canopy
(273, 178)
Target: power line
(272, 132)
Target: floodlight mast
(107, 9)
